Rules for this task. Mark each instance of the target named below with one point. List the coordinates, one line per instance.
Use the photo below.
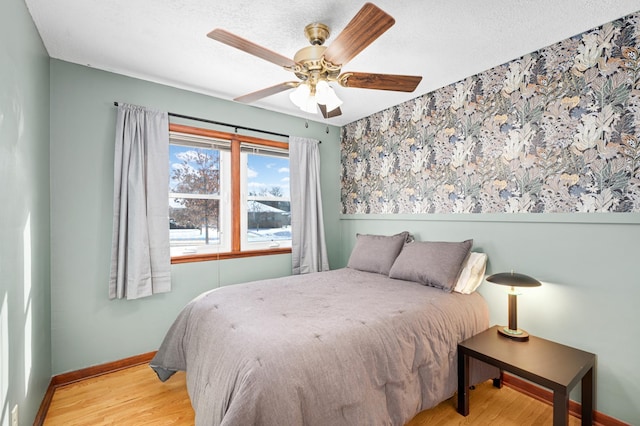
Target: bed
(343, 347)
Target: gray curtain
(140, 257)
(308, 247)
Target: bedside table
(549, 364)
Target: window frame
(236, 195)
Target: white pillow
(472, 273)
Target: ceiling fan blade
(368, 24)
(233, 40)
(329, 114)
(398, 83)
(254, 96)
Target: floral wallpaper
(554, 131)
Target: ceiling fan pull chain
(306, 124)
(327, 129)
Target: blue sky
(266, 171)
(263, 171)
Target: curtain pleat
(140, 256)
(308, 246)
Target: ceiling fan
(317, 65)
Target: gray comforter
(333, 348)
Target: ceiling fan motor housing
(313, 67)
(316, 33)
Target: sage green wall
(591, 286)
(25, 334)
(88, 328)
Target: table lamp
(513, 280)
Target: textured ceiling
(444, 41)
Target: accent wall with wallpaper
(538, 161)
(553, 131)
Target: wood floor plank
(134, 396)
(491, 406)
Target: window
(198, 182)
(228, 195)
(265, 188)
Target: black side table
(549, 364)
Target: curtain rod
(204, 120)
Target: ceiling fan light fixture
(326, 96)
(300, 95)
(307, 98)
(322, 91)
(310, 105)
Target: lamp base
(517, 334)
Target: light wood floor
(135, 396)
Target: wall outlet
(14, 415)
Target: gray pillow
(376, 253)
(436, 264)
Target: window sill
(227, 255)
